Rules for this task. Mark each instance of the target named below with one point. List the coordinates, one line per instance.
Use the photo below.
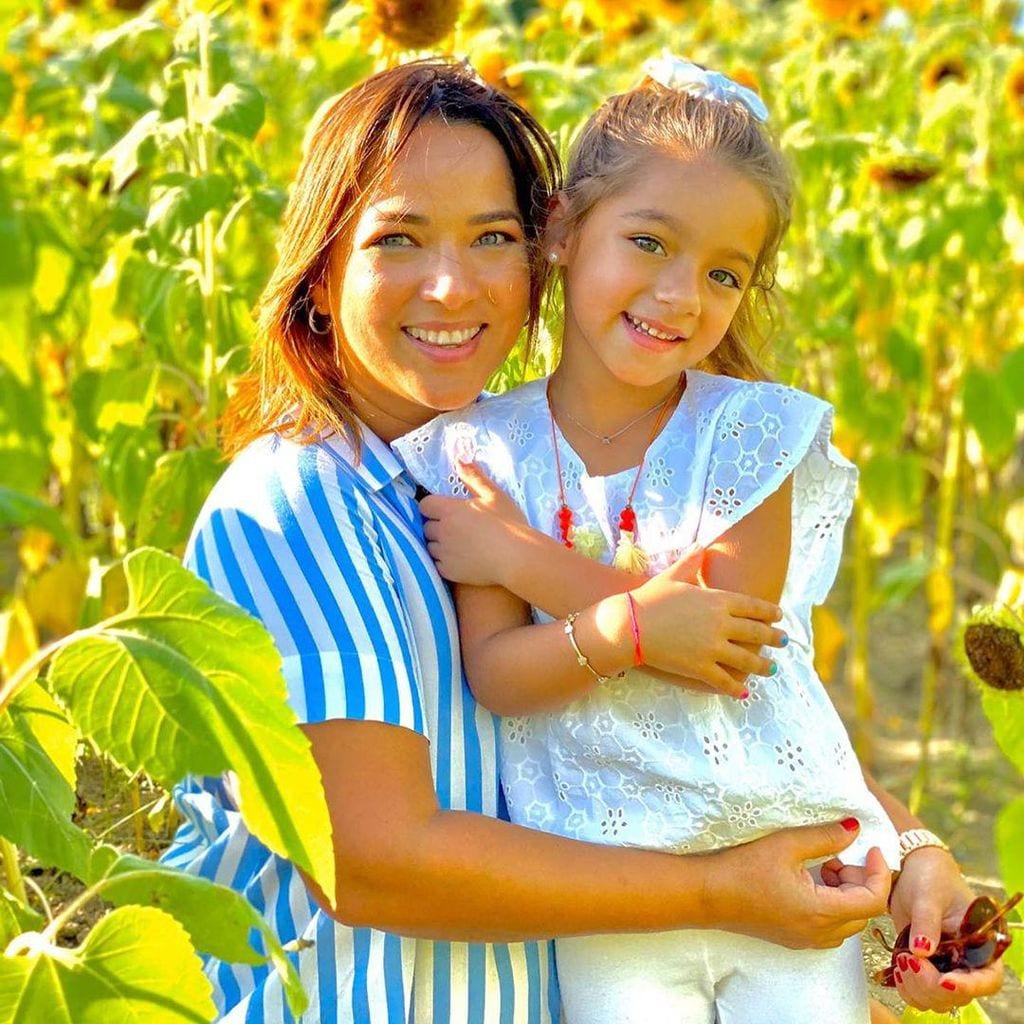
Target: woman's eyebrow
(406, 217)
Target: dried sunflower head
(901, 172)
(1015, 89)
(992, 639)
(414, 24)
(947, 67)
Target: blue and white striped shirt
(331, 557)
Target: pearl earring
(552, 256)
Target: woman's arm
(404, 865)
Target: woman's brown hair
(612, 146)
(295, 386)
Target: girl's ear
(557, 233)
(319, 292)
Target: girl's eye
(495, 238)
(395, 241)
(647, 243)
(726, 277)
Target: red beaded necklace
(628, 554)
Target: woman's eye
(726, 277)
(646, 243)
(495, 238)
(395, 241)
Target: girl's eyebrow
(674, 224)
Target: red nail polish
(744, 695)
(898, 977)
(850, 824)
(913, 964)
(922, 942)
(948, 986)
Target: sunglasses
(983, 938)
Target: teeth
(444, 339)
(648, 329)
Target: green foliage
(136, 964)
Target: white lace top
(638, 762)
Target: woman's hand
(704, 635)
(931, 895)
(473, 540)
(763, 888)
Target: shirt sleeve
(765, 433)
(297, 545)
(431, 453)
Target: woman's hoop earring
(311, 317)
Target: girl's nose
(449, 282)
(679, 289)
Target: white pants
(703, 977)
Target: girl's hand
(701, 634)
(931, 895)
(472, 540)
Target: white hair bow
(675, 73)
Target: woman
(408, 265)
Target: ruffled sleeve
(764, 433)
(431, 453)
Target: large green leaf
(19, 510)
(1010, 844)
(183, 681)
(135, 967)
(15, 918)
(184, 201)
(174, 495)
(36, 802)
(238, 109)
(34, 709)
(1005, 710)
(991, 411)
(218, 920)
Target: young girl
(666, 236)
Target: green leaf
(1009, 844)
(136, 965)
(238, 109)
(34, 709)
(219, 920)
(24, 445)
(184, 681)
(990, 411)
(53, 274)
(1012, 373)
(126, 465)
(124, 397)
(892, 490)
(972, 1013)
(19, 510)
(134, 149)
(183, 204)
(15, 918)
(36, 802)
(1005, 710)
(174, 495)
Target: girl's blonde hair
(296, 387)
(611, 148)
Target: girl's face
(655, 272)
(430, 292)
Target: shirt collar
(377, 465)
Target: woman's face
(432, 289)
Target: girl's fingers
(430, 529)
(741, 606)
(747, 662)
(758, 634)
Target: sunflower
(305, 21)
(1015, 88)
(948, 67)
(747, 78)
(264, 19)
(903, 172)
(855, 15)
(992, 640)
(414, 24)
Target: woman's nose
(449, 281)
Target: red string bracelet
(638, 651)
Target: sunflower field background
(145, 157)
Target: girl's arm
(403, 865)
(517, 668)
